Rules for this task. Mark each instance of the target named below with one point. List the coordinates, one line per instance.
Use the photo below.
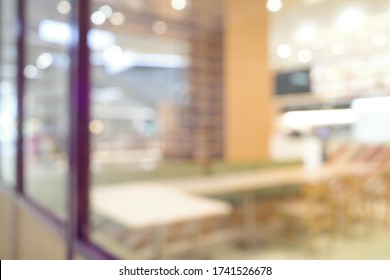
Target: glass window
(156, 113)
(8, 93)
(46, 102)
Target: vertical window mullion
(1, 78)
(21, 19)
(79, 134)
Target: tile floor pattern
(362, 245)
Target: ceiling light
(106, 10)
(112, 54)
(100, 39)
(372, 104)
(160, 27)
(306, 119)
(64, 7)
(44, 60)
(98, 18)
(60, 33)
(274, 5)
(96, 126)
(304, 56)
(117, 18)
(179, 5)
(350, 20)
(54, 31)
(284, 51)
(30, 72)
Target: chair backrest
(386, 177)
(317, 197)
(316, 192)
(353, 184)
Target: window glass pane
(8, 92)
(225, 122)
(46, 102)
(156, 114)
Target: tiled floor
(362, 245)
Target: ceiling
(361, 26)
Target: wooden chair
(378, 199)
(351, 204)
(387, 200)
(312, 212)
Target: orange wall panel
(247, 83)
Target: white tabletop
(148, 206)
(254, 180)
(268, 178)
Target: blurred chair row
(336, 205)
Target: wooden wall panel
(5, 222)
(247, 83)
(37, 241)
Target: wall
(35, 239)
(5, 222)
(248, 98)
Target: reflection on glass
(46, 103)
(8, 93)
(138, 78)
(155, 114)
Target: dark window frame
(75, 230)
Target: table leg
(249, 212)
(195, 250)
(159, 239)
